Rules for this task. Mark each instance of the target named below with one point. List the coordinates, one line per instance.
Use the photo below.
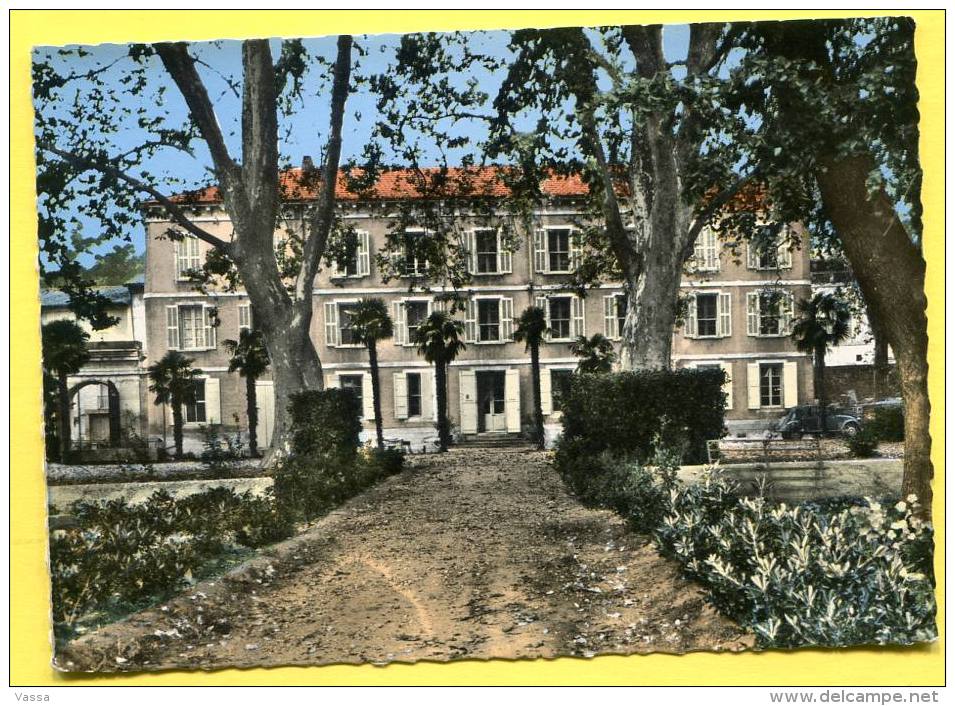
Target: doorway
(491, 401)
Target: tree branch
(171, 207)
(714, 205)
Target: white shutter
(725, 304)
(785, 313)
(331, 324)
(429, 406)
(401, 396)
(177, 255)
(540, 250)
(364, 254)
(610, 317)
(265, 403)
(790, 384)
(576, 250)
(577, 314)
(470, 321)
(213, 404)
(467, 392)
(400, 330)
(512, 400)
(728, 385)
(689, 327)
(172, 327)
(504, 265)
(752, 313)
(331, 381)
(547, 401)
(752, 385)
(541, 303)
(784, 256)
(507, 319)
(752, 257)
(208, 326)
(470, 249)
(367, 397)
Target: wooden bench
(765, 451)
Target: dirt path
(472, 554)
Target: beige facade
(489, 385)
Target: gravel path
(471, 554)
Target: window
(771, 384)
(355, 384)
(415, 259)
(414, 394)
(486, 248)
(195, 327)
(416, 313)
(356, 262)
(245, 317)
(621, 302)
(187, 256)
(489, 319)
(196, 408)
(558, 250)
(706, 314)
(706, 253)
(769, 313)
(559, 386)
(559, 308)
(773, 254)
(615, 314)
(346, 336)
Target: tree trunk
(63, 412)
(376, 392)
(441, 385)
(880, 350)
(891, 273)
(536, 381)
(177, 426)
(652, 303)
(252, 412)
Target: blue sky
(306, 127)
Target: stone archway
(112, 394)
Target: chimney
(307, 164)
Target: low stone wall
(61, 474)
(62, 496)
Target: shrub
(888, 423)
(635, 414)
(219, 449)
(325, 422)
(390, 461)
(863, 443)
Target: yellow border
(29, 618)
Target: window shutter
(428, 396)
(699, 256)
(245, 317)
(541, 303)
(577, 313)
(470, 321)
(752, 313)
(332, 382)
(726, 314)
(470, 251)
(576, 250)
(177, 255)
(172, 327)
(728, 385)
(504, 265)
(400, 330)
(786, 314)
(364, 254)
(540, 250)
(784, 256)
(331, 324)
(610, 317)
(689, 327)
(752, 385)
(790, 385)
(507, 319)
(547, 401)
(401, 396)
(512, 400)
(208, 326)
(467, 393)
(367, 397)
(213, 403)
(752, 257)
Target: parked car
(806, 419)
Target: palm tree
(251, 359)
(439, 341)
(531, 328)
(370, 323)
(64, 353)
(173, 381)
(820, 322)
(595, 353)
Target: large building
(737, 317)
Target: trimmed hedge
(325, 422)
(634, 413)
(888, 423)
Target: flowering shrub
(841, 572)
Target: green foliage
(439, 338)
(888, 423)
(863, 444)
(249, 356)
(370, 321)
(172, 379)
(325, 422)
(64, 347)
(219, 449)
(635, 414)
(596, 354)
(531, 327)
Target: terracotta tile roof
(400, 184)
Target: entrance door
(491, 401)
